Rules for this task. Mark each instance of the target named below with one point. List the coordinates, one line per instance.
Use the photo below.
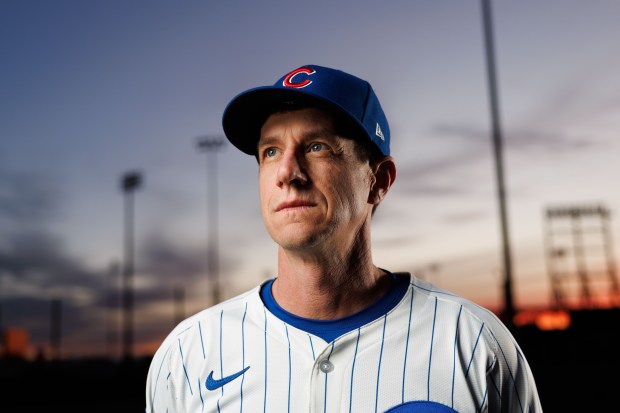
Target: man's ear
(384, 172)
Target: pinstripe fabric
(243, 352)
(379, 366)
(221, 360)
(288, 402)
(326, 377)
(433, 350)
(353, 371)
(265, 364)
(311, 346)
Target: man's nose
(291, 170)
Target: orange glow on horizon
(147, 349)
(553, 320)
(545, 320)
(16, 341)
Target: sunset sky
(92, 90)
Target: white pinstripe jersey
(433, 352)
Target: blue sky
(91, 90)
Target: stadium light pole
(211, 145)
(1, 320)
(55, 328)
(509, 310)
(129, 183)
(111, 327)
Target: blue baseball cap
(326, 88)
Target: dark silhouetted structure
(211, 145)
(509, 310)
(130, 182)
(579, 234)
(111, 304)
(56, 328)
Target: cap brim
(245, 114)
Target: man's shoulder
(465, 306)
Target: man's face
(313, 187)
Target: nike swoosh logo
(213, 384)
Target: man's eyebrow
(311, 134)
(269, 140)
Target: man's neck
(328, 286)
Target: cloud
(32, 258)
(35, 266)
(37, 255)
(166, 264)
(395, 241)
(169, 263)
(34, 314)
(587, 95)
(27, 197)
(439, 177)
(165, 259)
(36, 269)
(453, 172)
(543, 143)
(465, 217)
(517, 139)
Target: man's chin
(296, 244)
(298, 241)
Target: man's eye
(316, 147)
(269, 152)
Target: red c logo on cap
(288, 80)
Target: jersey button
(326, 366)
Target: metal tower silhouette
(578, 243)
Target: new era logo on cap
(330, 89)
(378, 132)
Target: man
(332, 332)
